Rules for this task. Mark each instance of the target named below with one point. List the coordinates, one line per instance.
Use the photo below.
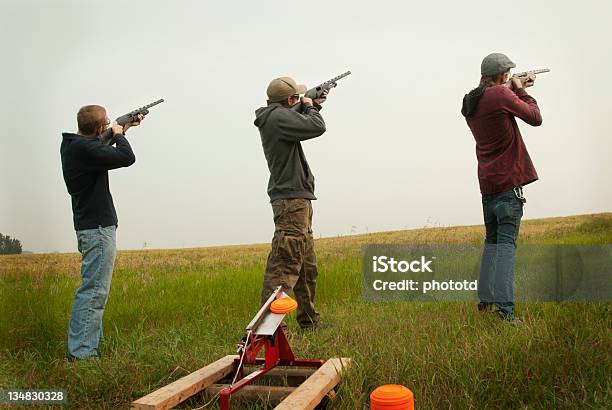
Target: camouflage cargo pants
(292, 262)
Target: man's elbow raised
(130, 160)
(537, 121)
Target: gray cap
(496, 63)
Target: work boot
(73, 359)
(510, 318)
(318, 325)
(486, 307)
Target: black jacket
(85, 165)
(281, 131)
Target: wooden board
(304, 397)
(303, 372)
(283, 376)
(271, 394)
(311, 392)
(169, 396)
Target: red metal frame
(277, 353)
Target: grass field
(171, 312)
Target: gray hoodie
(281, 131)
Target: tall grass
(173, 311)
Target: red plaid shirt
(503, 160)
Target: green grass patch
(172, 312)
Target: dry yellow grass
(209, 258)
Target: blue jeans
(98, 250)
(502, 217)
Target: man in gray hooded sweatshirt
(292, 261)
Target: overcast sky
(397, 152)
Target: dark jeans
(502, 217)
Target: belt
(518, 192)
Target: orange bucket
(392, 397)
(283, 305)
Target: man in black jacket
(292, 261)
(85, 164)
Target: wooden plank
(285, 376)
(272, 394)
(311, 392)
(304, 372)
(169, 396)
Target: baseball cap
(496, 63)
(284, 87)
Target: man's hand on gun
(118, 129)
(529, 80)
(317, 101)
(306, 100)
(322, 98)
(522, 82)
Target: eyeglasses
(296, 96)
